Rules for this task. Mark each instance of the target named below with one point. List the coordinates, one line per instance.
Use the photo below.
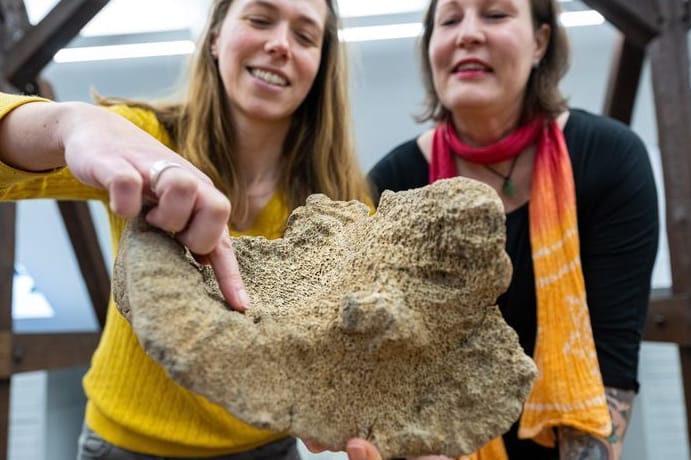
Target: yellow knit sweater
(131, 401)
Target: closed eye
(306, 38)
(259, 21)
(450, 20)
(496, 15)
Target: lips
(268, 76)
(471, 65)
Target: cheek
(435, 52)
(518, 51)
(522, 66)
(309, 65)
(439, 55)
(231, 57)
(232, 44)
(437, 68)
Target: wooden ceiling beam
(624, 80)
(14, 22)
(80, 227)
(669, 57)
(637, 19)
(26, 57)
(8, 212)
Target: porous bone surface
(381, 326)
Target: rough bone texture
(383, 327)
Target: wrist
(28, 137)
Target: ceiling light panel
(360, 8)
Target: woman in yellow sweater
(265, 123)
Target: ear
(213, 47)
(542, 37)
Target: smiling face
(268, 54)
(481, 53)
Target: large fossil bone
(383, 326)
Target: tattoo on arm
(576, 445)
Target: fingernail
(243, 297)
(357, 453)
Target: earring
(536, 64)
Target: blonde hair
(318, 151)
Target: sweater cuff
(9, 102)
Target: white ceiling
(134, 16)
(140, 16)
(137, 16)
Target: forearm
(31, 135)
(574, 444)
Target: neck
(259, 152)
(481, 128)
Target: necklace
(507, 187)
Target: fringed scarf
(568, 390)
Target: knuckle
(225, 243)
(221, 211)
(207, 180)
(200, 246)
(123, 209)
(217, 207)
(126, 180)
(184, 186)
(125, 194)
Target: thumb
(359, 449)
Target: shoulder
(585, 131)
(145, 119)
(603, 149)
(611, 165)
(411, 152)
(405, 150)
(402, 168)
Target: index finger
(227, 270)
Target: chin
(470, 104)
(265, 113)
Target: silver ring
(157, 169)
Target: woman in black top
(617, 217)
(491, 69)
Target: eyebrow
(271, 6)
(443, 6)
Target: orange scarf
(568, 390)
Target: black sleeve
(618, 226)
(403, 168)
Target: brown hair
(318, 151)
(542, 94)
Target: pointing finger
(227, 270)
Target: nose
(278, 43)
(470, 31)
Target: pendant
(508, 188)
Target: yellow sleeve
(145, 120)
(8, 102)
